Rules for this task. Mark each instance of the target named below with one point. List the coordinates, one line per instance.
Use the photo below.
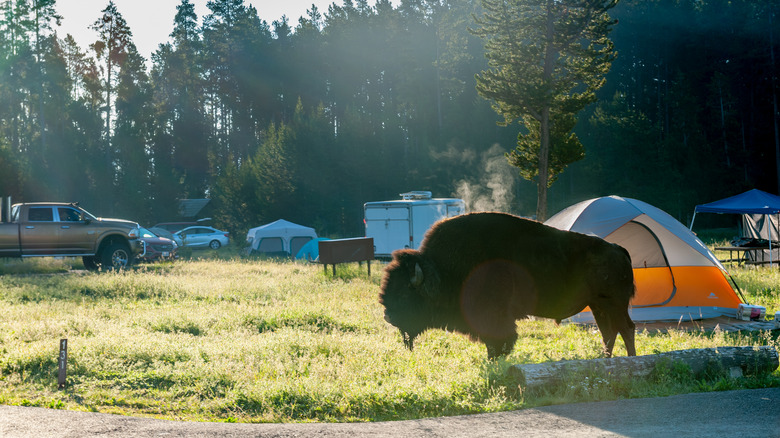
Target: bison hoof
(496, 350)
(408, 340)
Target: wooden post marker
(63, 362)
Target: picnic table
(743, 257)
(358, 249)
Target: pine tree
(181, 144)
(546, 59)
(134, 120)
(112, 47)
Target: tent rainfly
(677, 277)
(751, 202)
(311, 250)
(279, 238)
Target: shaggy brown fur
(479, 273)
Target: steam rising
(493, 189)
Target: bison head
(409, 289)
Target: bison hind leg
(611, 323)
(627, 331)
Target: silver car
(201, 237)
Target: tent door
(653, 277)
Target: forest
(308, 120)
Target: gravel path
(753, 413)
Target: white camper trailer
(403, 223)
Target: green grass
(225, 338)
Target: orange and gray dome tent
(677, 277)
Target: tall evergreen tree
(112, 46)
(114, 37)
(547, 58)
(57, 169)
(44, 14)
(181, 163)
(378, 100)
(134, 121)
(16, 64)
(12, 169)
(82, 131)
(235, 43)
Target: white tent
(676, 276)
(279, 238)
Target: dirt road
(753, 413)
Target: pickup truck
(46, 229)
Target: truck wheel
(90, 263)
(116, 256)
(215, 244)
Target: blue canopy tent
(751, 202)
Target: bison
(478, 273)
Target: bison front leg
(408, 340)
(500, 347)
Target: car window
(68, 214)
(40, 214)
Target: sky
(151, 21)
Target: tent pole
(769, 229)
(768, 226)
(738, 289)
(693, 219)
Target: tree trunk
(738, 361)
(723, 127)
(774, 99)
(544, 160)
(545, 122)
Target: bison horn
(417, 278)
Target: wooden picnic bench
(335, 251)
(743, 258)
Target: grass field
(226, 338)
